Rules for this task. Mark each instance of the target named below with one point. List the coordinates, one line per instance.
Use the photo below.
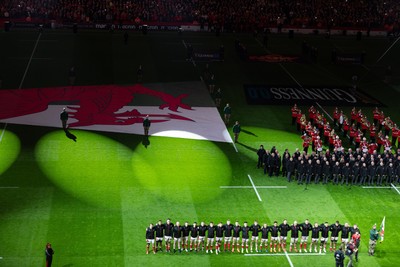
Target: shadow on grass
(70, 135)
(248, 147)
(145, 141)
(249, 133)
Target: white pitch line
(255, 189)
(260, 187)
(384, 54)
(283, 254)
(395, 188)
(184, 43)
(23, 78)
(30, 60)
(290, 75)
(289, 260)
(375, 187)
(327, 114)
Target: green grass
(93, 199)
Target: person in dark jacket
(336, 172)
(326, 170)
(317, 171)
(49, 255)
(371, 173)
(290, 169)
(260, 153)
(363, 173)
(345, 173)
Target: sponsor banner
(275, 58)
(206, 56)
(288, 95)
(183, 110)
(347, 58)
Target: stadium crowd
(366, 164)
(233, 14)
(256, 237)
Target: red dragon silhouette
(98, 105)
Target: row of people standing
(350, 168)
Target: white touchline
(184, 43)
(379, 59)
(23, 78)
(289, 260)
(283, 254)
(374, 187)
(255, 189)
(29, 62)
(395, 188)
(259, 187)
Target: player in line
(193, 237)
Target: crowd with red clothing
(235, 14)
(356, 127)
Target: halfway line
(255, 189)
(395, 188)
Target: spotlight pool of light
(93, 169)
(179, 134)
(10, 147)
(181, 170)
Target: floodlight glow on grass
(93, 169)
(181, 170)
(10, 147)
(180, 134)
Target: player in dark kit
(245, 237)
(274, 229)
(345, 233)
(210, 237)
(315, 231)
(324, 236)
(228, 229)
(235, 237)
(168, 233)
(150, 231)
(219, 232)
(335, 229)
(264, 237)
(305, 230)
(159, 234)
(284, 228)
(178, 231)
(194, 234)
(255, 229)
(185, 238)
(202, 236)
(294, 237)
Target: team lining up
(239, 238)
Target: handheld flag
(382, 229)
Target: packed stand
(236, 15)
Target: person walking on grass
(227, 113)
(64, 119)
(146, 125)
(236, 131)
